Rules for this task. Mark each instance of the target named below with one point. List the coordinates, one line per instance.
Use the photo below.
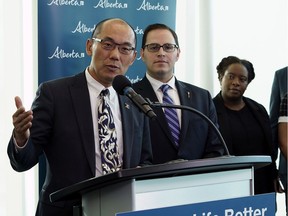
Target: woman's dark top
(248, 132)
(249, 139)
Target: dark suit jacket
(197, 139)
(63, 130)
(279, 89)
(262, 117)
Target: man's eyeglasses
(154, 47)
(108, 44)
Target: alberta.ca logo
(107, 4)
(61, 54)
(78, 3)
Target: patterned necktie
(171, 114)
(107, 136)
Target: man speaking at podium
(66, 126)
(175, 134)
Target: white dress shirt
(172, 92)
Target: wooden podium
(170, 184)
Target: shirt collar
(156, 84)
(97, 86)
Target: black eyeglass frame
(165, 47)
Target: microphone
(124, 87)
(157, 104)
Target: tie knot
(164, 88)
(104, 92)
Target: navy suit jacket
(197, 138)
(279, 89)
(63, 131)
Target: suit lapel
(185, 96)
(259, 115)
(81, 104)
(146, 90)
(127, 127)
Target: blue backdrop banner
(65, 25)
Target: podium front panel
(180, 190)
(137, 194)
(119, 197)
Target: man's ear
(142, 54)
(134, 57)
(178, 54)
(89, 46)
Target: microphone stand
(157, 104)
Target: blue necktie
(107, 136)
(171, 114)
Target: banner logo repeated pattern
(65, 25)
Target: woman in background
(243, 122)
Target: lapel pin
(188, 94)
(127, 106)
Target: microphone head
(120, 82)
